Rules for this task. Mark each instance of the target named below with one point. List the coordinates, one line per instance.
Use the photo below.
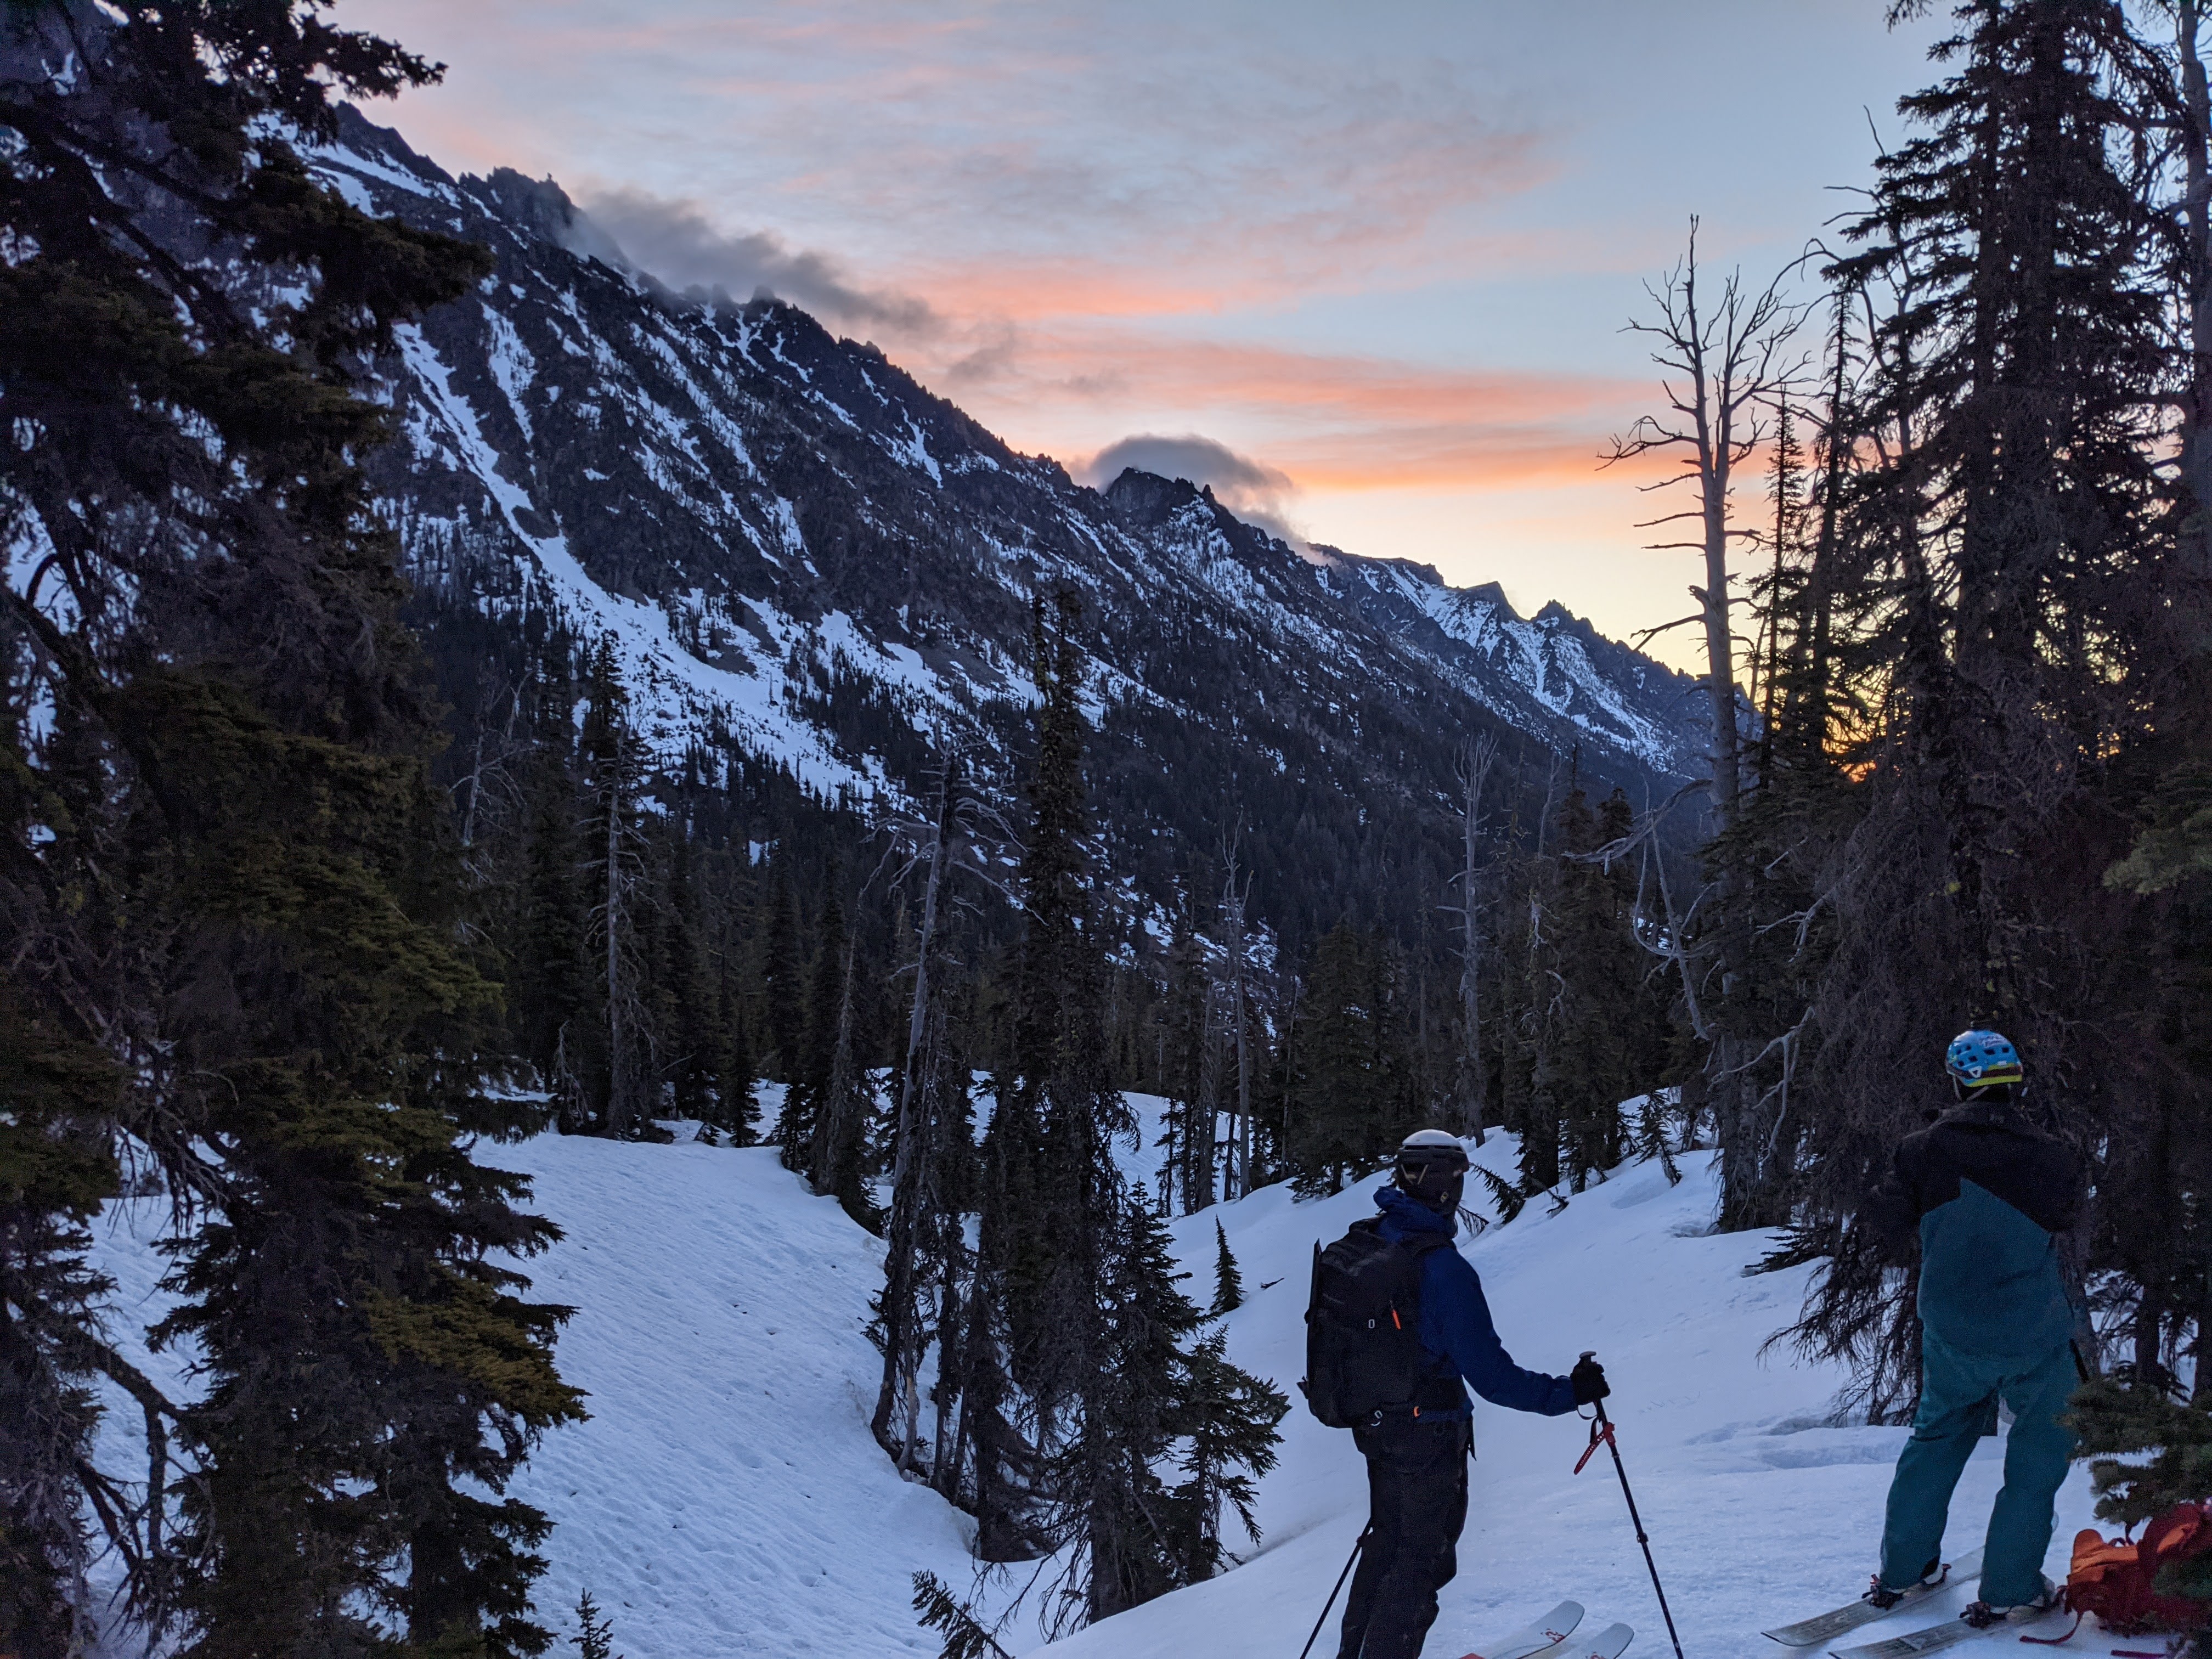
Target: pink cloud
(1327, 421)
(1088, 222)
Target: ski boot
(1878, 1596)
(1981, 1615)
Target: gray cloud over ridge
(1253, 490)
(674, 241)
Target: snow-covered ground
(725, 1499)
(1759, 1512)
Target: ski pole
(1357, 1545)
(1602, 1430)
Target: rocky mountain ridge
(805, 558)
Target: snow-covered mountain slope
(804, 555)
(1534, 672)
(725, 1499)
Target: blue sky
(1381, 254)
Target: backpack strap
(1439, 1390)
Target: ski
(1826, 1627)
(1608, 1644)
(1934, 1639)
(1548, 1632)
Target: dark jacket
(1989, 1193)
(1456, 1332)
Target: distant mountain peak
(1139, 497)
(807, 561)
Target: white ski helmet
(1432, 1166)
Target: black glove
(1587, 1378)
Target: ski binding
(1826, 1627)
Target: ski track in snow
(726, 1498)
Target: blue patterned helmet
(1981, 1059)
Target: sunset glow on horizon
(1379, 261)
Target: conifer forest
(336, 858)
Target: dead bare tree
(491, 759)
(965, 834)
(1722, 367)
(910, 1156)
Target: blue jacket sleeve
(1455, 1322)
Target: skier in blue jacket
(1417, 1454)
(1988, 1194)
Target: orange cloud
(1334, 421)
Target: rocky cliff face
(802, 555)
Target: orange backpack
(2117, 1580)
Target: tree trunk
(910, 1151)
(1206, 1120)
(1243, 1076)
(837, 1124)
(621, 1108)
(1238, 1181)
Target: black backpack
(1364, 1352)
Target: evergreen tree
(932, 1156)
(56, 1169)
(1583, 1026)
(346, 1307)
(238, 741)
(594, 1630)
(550, 983)
(1601, 1034)
(1049, 1215)
(2006, 644)
(1229, 1421)
(780, 975)
(965, 1638)
(1795, 803)
(1227, 1283)
(611, 761)
(736, 1111)
(2172, 1442)
(846, 1106)
(1341, 1110)
(1187, 1031)
(1113, 1507)
(807, 1073)
(1060, 1106)
(1089, 1275)
(685, 1006)
(1531, 1072)
(995, 1464)
(946, 1262)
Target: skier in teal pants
(1989, 1193)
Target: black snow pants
(1416, 1504)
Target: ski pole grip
(1591, 1353)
